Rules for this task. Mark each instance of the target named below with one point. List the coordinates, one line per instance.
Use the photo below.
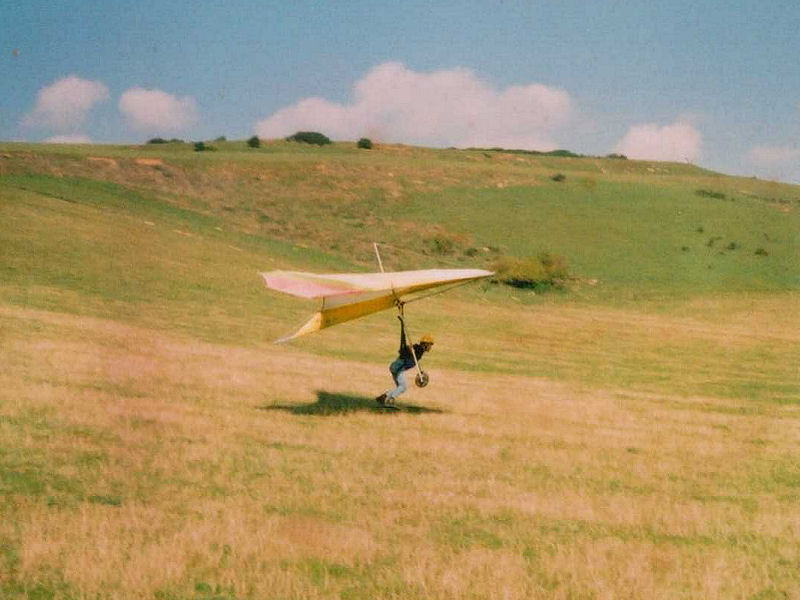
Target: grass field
(634, 437)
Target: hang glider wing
(348, 296)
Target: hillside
(633, 434)
(628, 223)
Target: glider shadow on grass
(332, 403)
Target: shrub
(710, 194)
(761, 252)
(221, 138)
(440, 244)
(201, 147)
(554, 265)
(562, 153)
(559, 153)
(254, 142)
(559, 177)
(365, 143)
(545, 271)
(617, 156)
(309, 137)
(157, 140)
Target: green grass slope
(636, 237)
(636, 227)
(633, 436)
(170, 238)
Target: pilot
(404, 362)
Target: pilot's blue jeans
(398, 374)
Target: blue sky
(715, 83)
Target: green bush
(309, 137)
(554, 265)
(254, 142)
(710, 194)
(562, 153)
(365, 143)
(559, 153)
(202, 147)
(440, 244)
(545, 271)
(158, 140)
(559, 177)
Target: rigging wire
(439, 291)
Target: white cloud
(154, 110)
(64, 104)
(770, 156)
(677, 142)
(442, 108)
(76, 138)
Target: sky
(713, 83)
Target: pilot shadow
(332, 403)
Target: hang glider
(348, 296)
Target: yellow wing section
(348, 296)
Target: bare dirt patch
(149, 162)
(103, 160)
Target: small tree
(365, 143)
(254, 142)
(309, 137)
(202, 147)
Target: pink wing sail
(347, 296)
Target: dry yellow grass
(144, 464)
(584, 445)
